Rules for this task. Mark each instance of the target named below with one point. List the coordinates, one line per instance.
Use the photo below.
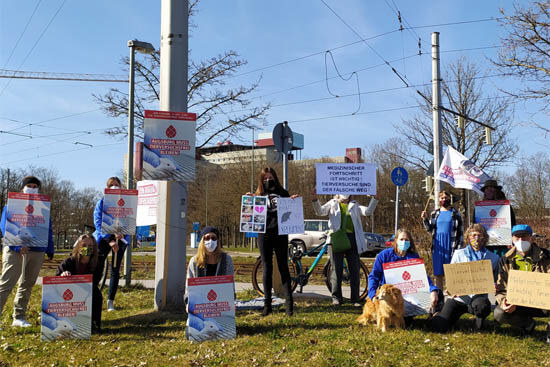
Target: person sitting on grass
(83, 260)
(479, 305)
(524, 256)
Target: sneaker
(336, 302)
(357, 304)
(110, 305)
(20, 323)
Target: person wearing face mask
(476, 239)
(22, 263)
(445, 225)
(524, 256)
(210, 260)
(83, 260)
(107, 243)
(271, 241)
(403, 249)
(493, 192)
(337, 208)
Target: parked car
(389, 241)
(375, 244)
(313, 236)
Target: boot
(289, 300)
(267, 307)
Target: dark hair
(443, 192)
(112, 181)
(31, 180)
(278, 188)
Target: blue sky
(91, 37)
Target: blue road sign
(251, 235)
(196, 226)
(399, 176)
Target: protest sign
(119, 211)
(169, 146)
(494, 216)
(147, 204)
(27, 220)
(474, 277)
(346, 178)
(529, 289)
(460, 172)
(66, 307)
(411, 278)
(211, 308)
(253, 213)
(290, 215)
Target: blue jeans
(104, 250)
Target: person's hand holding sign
(507, 307)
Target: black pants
(268, 243)
(480, 306)
(337, 268)
(522, 317)
(97, 304)
(104, 250)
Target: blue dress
(442, 248)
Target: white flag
(460, 172)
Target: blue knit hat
(209, 229)
(520, 229)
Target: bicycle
(300, 274)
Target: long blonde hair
(201, 254)
(79, 243)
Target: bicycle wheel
(346, 291)
(258, 274)
(104, 274)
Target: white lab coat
(332, 209)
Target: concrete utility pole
(436, 97)
(171, 227)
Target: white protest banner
(66, 307)
(494, 216)
(411, 278)
(345, 178)
(211, 308)
(253, 213)
(27, 220)
(290, 215)
(119, 211)
(147, 205)
(460, 172)
(529, 289)
(169, 146)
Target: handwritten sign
(290, 215)
(474, 277)
(530, 289)
(253, 213)
(411, 278)
(494, 216)
(346, 178)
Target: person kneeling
(524, 256)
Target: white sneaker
(110, 305)
(20, 323)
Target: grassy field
(318, 335)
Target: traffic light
(428, 183)
(460, 122)
(488, 139)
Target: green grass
(318, 335)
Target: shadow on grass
(146, 324)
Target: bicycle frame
(303, 277)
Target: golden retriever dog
(387, 309)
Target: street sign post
(283, 140)
(399, 177)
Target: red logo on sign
(29, 209)
(68, 295)
(406, 275)
(212, 295)
(121, 202)
(493, 213)
(171, 131)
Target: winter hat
(31, 180)
(491, 183)
(209, 229)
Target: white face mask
(210, 245)
(30, 190)
(522, 245)
(115, 187)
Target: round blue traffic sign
(399, 176)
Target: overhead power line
(46, 75)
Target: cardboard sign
(346, 178)
(411, 278)
(530, 289)
(169, 146)
(119, 211)
(494, 216)
(211, 308)
(474, 277)
(27, 220)
(147, 204)
(290, 215)
(66, 307)
(253, 214)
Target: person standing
(22, 263)
(341, 208)
(445, 225)
(271, 241)
(492, 191)
(106, 243)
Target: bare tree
(222, 111)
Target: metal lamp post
(145, 48)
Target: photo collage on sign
(253, 213)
